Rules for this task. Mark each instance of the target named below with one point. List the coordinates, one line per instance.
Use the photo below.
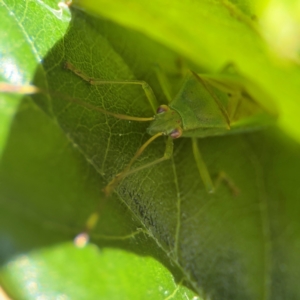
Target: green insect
(206, 105)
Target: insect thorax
(165, 122)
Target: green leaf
(225, 247)
(23, 45)
(108, 280)
(47, 192)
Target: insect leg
(223, 177)
(82, 239)
(164, 83)
(127, 171)
(98, 81)
(204, 174)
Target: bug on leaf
(205, 105)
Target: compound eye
(176, 133)
(162, 109)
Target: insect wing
(249, 107)
(212, 104)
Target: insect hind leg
(223, 177)
(167, 155)
(205, 176)
(203, 171)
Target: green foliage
(160, 235)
